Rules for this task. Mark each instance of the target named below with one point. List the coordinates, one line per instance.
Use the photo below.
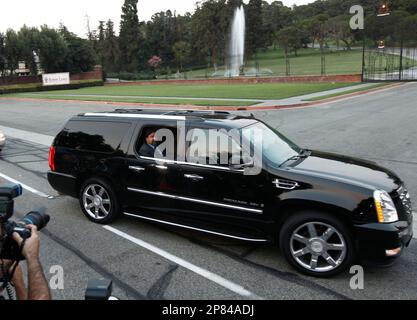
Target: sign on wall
(55, 79)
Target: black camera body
(7, 194)
(9, 249)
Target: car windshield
(275, 147)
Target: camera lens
(40, 220)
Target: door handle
(194, 177)
(160, 167)
(137, 169)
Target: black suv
(324, 210)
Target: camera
(9, 249)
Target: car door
(152, 183)
(222, 197)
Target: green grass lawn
(162, 94)
(307, 62)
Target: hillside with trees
(169, 42)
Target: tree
(81, 56)
(12, 51)
(210, 27)
(154, 63)
(340, 31)
(29, 44)
(162, 34)
(101, 32)
(182, 51)
(410, 27)
(409, 6)
(98, 42)
(275, 17)
(318, 28)
(255, 37)
(52, 50)
(129, 37)
(3, 60)
(111, 50)
(289, 38)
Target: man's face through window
(151, 138)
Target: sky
(14, 14)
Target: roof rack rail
(128, 110)
(198, 113)
(192, 114)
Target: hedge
(132, 76)
(40, 87)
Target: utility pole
(89, 34)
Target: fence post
(363, 58)
(401, 58)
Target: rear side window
(99, 136)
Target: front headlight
(385, 207)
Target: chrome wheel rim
(318, 247)
(96, 201)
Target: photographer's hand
(38, 286)
(31, 246)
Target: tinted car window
(165, 142)
(93, 135)
(275, 147)
(212, 147)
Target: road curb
(214, 108)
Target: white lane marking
(27, 136)
(185, 264)
(26, 187)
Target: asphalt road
(148, 261)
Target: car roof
(209, 117)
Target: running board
(195, 229)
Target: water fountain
(236, 58)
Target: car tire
(98, 201)
(317, 244)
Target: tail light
(51, 158)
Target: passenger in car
(148, 148)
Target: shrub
(39, 87)
(130, 76)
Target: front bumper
(376, 241)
